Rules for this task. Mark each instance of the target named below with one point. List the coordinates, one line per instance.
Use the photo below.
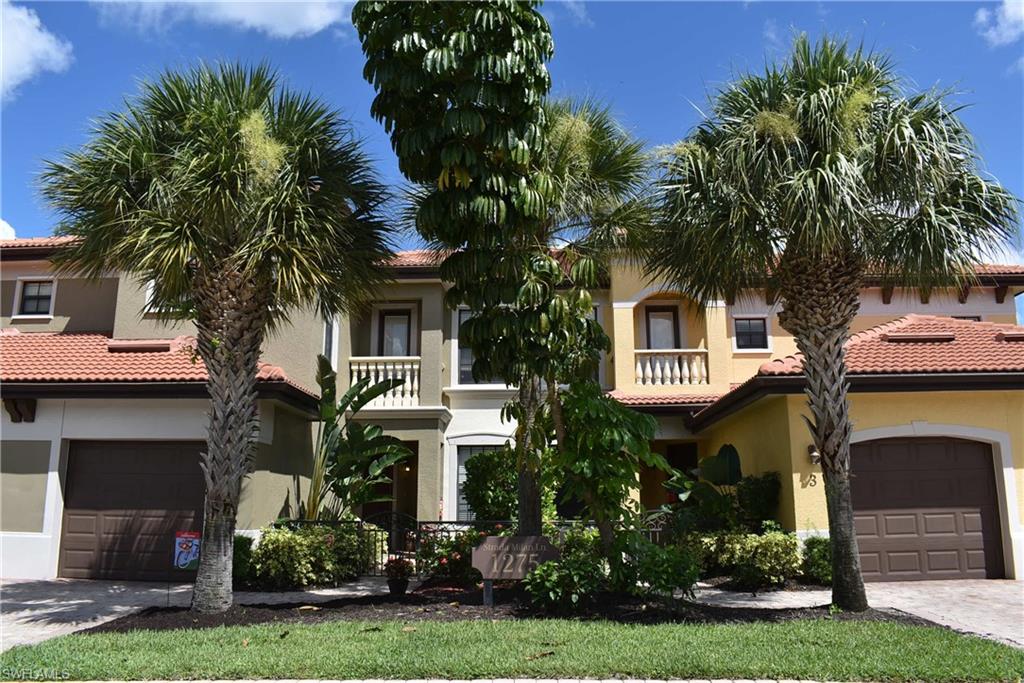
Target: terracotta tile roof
(1000, 269)
(925, 344)
(93, 358)
(417, 258)
(663, 400)
(35, 242)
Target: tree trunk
(230, 319)
(821, 298)
(530, 494)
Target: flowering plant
(398, 568)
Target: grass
(820, 649)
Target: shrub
(765, 560)
(566, 584)
(241, 568)
(398, 568)
(817, 562)
(758, 498)
(663, 570)
(310, 555)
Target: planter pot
(398, 586)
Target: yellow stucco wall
(771, 435)
(761, 434)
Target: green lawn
(824, 650)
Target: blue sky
(654, 63)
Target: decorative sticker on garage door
(186, 550)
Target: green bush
(663, 570)
(241, 567)
(765, 560)
(817, 562)
(572, 581)
(310, 555)
(758, 499)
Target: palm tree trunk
(530, 494)
(231, 316)
(820, 301)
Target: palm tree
(804, 179)
(241, 201)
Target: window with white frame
(463, 512)
(751, 333)
(35, 297)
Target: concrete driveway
(989, 608)
(33, 611)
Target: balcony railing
(671, 367)
(379, 368)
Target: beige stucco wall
(293, 346)
(281, 472)
(79, 305)
(23, 472)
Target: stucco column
(431, 346)
(624, 378)
(716, 319)
(429, 481)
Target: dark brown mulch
(727, 584)
(441, 602)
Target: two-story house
(937, 397)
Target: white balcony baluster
(671, 367)
(380, 368)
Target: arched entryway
(926, 507)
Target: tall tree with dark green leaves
(460, 89)
(240, 200)
(803, 180)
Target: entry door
(124, 501)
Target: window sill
(31, 317)
(762, 352)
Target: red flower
(497, 526)
(444, 560)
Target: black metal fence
(391, 534)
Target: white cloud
(275, 19)
(770, 33)
(6, 231)
(27, 48)
(1003, 25)
(578, 10)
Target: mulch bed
(441, 602)
(726, 583)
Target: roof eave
(765, 385)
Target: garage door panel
(124, 503)
(925, 508)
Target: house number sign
(512, 557)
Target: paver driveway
(32, 611)
(990, 608)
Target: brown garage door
(123, 503)
(926, 508)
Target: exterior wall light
(814, 455)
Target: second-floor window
(662, 327)
(36, 297)
(751, 333)
(395, 338)
(466, 356)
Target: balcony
(671, 367)
(379, 368)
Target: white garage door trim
(1006, 483)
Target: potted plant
(398, 571)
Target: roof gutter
(766, 385)
(268, 390)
